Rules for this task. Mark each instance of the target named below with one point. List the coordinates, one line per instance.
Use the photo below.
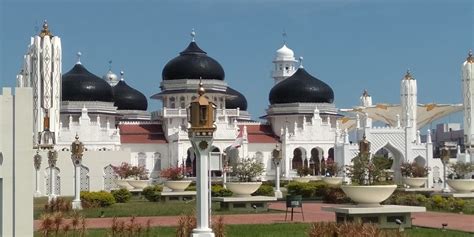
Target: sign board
(215, 161)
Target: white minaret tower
(42, 71)
(409, 103)
(365, 99)
(468, 93)
(285, 63)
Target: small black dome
(301, 87)
(81, 85)
(237, 101)
(193, 63)
(127, 98)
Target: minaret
(42, 71)
(468, 93)
(365, 99)
(408, 100)
(284, 62)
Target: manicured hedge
(264, 190)
(152, 193)
(218, 191)
(97, 199)
(122, 195)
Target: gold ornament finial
(201, 89)
(365, 93)
(408, 75)
(76, 137)
(193, 35)
(45, 31)
(469, 58)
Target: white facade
(16, 166)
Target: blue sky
(351, 45)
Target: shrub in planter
(461, 170)
(122, 195)
(219, 191)
(152, 193)
(191, 187)
(304, 189)
(97, 199)
(335, 195)
(264, 190)
(303, 171)
(413, 170)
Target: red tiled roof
(259, 133)
(142, 133)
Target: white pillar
(278, 193)
(76, 203)
(202, 147)
(37, 177)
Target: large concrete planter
(139, 184)
(414, 182)
(305, 179)
(123, 183)
(243, 189)
(177, 185)
(333, 180)
(461, 185)
(369, 195)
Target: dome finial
(201, 89)
(408, 75)
(301, 62)
(45, 31)
(110, 65)
(284, 36)
(193, 35)
(79, 54)
(469, 58)
(365, 93)
(121, 75)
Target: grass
(281, 230)
(138, 207)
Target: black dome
(193, 63)
(127, 98)
(301, 87)
(81, 85)
(237, 101)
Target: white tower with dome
(409, 104)
(468, 94)
(284, 63)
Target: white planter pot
(462, 185)
(305, 179)
(243, 189)
(333, 180)
(177, 185)
(415, 182)
(123, 183)
(138, 184)
(369, 195)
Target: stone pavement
(312, 213)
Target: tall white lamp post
(201, 116)
(445, 155)
(77, 148)
(276, 157)
(37, 162)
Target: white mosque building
(111, 117)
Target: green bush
(438, 202)
(264, 190)
(97, 199)
(304, 189)
(320, 188)
(191, 187)
(219, 191)
(122, 195)
(152, 193)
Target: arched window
(172, 103)
(182, 102)
(297, 161)
(141, 159)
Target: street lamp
(77, 148)
(276, 158)
(37, 162)
(202, 115)
(445, 155)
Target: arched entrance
(191, 162)
(315, 161)
(299, 154)
(391, 157)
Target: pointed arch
(299, 154)
(85, 184)
(109, 178)
(57, 181)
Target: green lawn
(281, 230)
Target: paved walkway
(312, 213)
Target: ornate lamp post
(77, 148)
(37, 162)
(445, 155)
(201, 116)
(52, 158)
(276, 158)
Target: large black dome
(81, 85)
(236, 101)
(301, 87)
(127, 98)
(193, 63)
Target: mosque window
(182, 102)
(172, 103)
